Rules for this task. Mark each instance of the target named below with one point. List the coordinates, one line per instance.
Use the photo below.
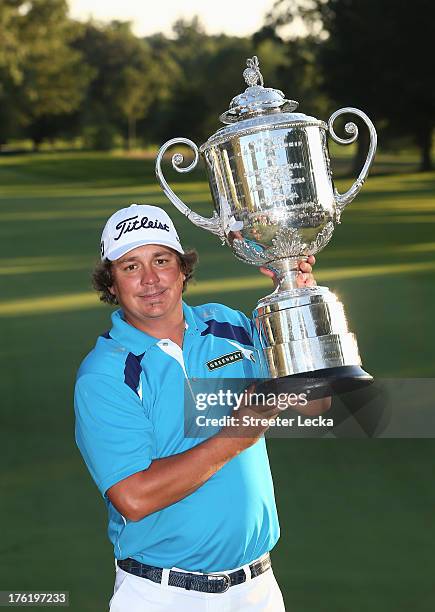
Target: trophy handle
(211, 224)
(345, 198)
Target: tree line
(99, 82)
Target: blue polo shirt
(129, 403)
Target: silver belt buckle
(226, 577)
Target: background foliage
(97, 85)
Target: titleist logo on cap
(133, 223)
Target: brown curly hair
(102, 277)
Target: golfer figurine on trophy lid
(275, 204)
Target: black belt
(207, 583)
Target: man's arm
(168, 480)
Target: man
(192, 521)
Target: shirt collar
(137, 341)
(193, 325)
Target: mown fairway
(356, 515)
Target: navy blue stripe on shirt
(106, 335)
(132, 371)
(226, 330)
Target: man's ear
(112, 290)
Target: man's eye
(161, 261)
(130, 267)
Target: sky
(236, 17)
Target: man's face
(148, 284)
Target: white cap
(136, 226)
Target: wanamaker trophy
(275, 203)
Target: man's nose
(149, 276)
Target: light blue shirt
(129, 404)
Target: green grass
(356, 515)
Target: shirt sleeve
(113, 434)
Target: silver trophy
(275, 204)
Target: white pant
(135, 594)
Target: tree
(375, 54)
(223, 78)
(186, 110)
(11, 73)
(126, 79)
(291, 67)
(42, 76)
(291, 64)
(209, 76)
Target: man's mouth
(153, 296)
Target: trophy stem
(286, 272)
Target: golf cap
(136, 226)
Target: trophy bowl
(275, 204)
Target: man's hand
(305, 277)
(251, 419)
(254, 417)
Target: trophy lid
(256, 99)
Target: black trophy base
(318, 383)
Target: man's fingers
(304, 266)
(300, 280)
(305, 277)
(305, 280)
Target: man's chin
(154, 313)
(156, 308)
